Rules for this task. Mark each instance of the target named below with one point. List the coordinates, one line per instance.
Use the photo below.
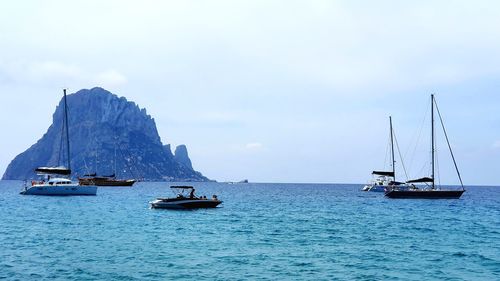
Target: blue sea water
(261, 232)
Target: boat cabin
(53, 181)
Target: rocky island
(108, 135)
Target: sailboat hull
(72, 190)
(105, 182)
(375, 188)
(425, 194)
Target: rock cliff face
(108, 135)
(181, 155)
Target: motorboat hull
(67, 190)
(425, 194)
(185, 204)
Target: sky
(270, 91)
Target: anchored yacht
(56, 181)
(53, 182)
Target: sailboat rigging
(430, 190)
(384, 179)
(106, 180)
(56, 181)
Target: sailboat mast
(392, 151)
(114, 159)
(67, 128)
(432, 139)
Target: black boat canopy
(424, 179)
(53, 170)
(94, 175)
(182, 187)
(383, 173)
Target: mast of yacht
(392, 151)
(114, 160)
(432, 139)
(67, 128)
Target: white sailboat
(382, 180)
(56, 181)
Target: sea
(261, 232)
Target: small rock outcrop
(181, 155)
(108, 135)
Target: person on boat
(191, 194)
(214, 197)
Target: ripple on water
(263, 232)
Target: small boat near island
(56, 181)
(430, 190)
(93, 179)
(185, 199)
(111, 180)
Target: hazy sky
(272, 91)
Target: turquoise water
(261, 232)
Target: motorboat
(185, 199)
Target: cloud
(57, 72)
(53, 69)
(287, 72)
(253, 146)
(496, 145)
(110, 78)
(39, 71)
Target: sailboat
(56, 181)
(104, 180)
(430, 190)
(111, 180)
(384, 179)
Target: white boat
(56, 181)
(183, 201)
(378, 185)
(384, 180)
(58, 186)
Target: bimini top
(182, 187)
(53, 170)
(383, 173)
(425, 179)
